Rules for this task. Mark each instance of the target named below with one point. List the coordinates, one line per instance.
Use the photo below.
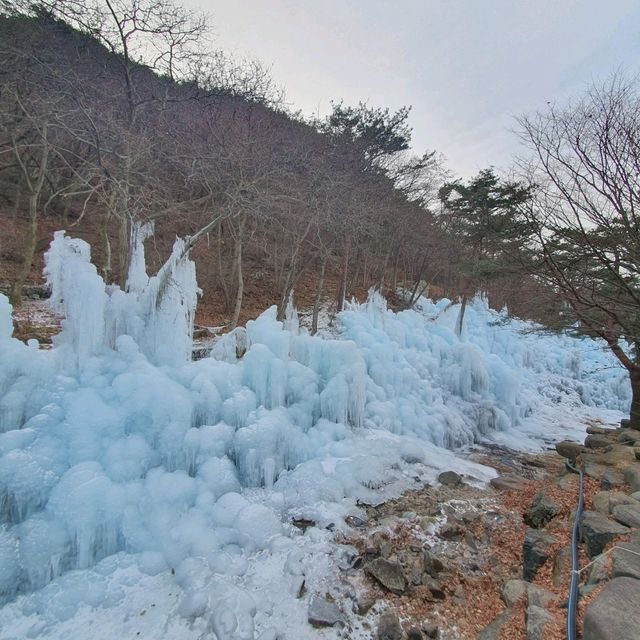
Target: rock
(561, 565)
(493, 631)
(597, 441)
(541, 510)
(598, 531)
(450, 532)
(324, 613)
(513, 590)
(388, 574)
(450, 479)
(611, 478)
(625, 560)
(431, 631)
(627, 514)
(635, 495)
(389, 627)
(636, 452)
(356, 522)
(628, 436)
(536, 620)
(507, 483)
(632, 476)
(414, 634)
(535, 552)
(599, 430)
(435, 588)
(363, 603)
(599, 571)
(614, 614)
(432, 565)
(570, 450)
(606, 501)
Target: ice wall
(116, 443)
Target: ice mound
(117, 450)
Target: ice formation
(116, 450)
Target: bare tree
(586, 214)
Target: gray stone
(414, 634)
(632, 476)
(628, 514)
(561, 565)
(599, 571)
(570, 450)
(450, 479)
(614, 614)
(493, 631)
(625, 560)
(432, 564)
(507, 483)
(541, 511)
(431, 631)
(610, 479)
(598, 531)
(597, 441)
(363, 603)
(628, 436)
(536, 620)
(513, 590)
(606, 501)
(389, 627)
(539, 597)
(635, 495)
(324, 613)
(535, 552)
(388, 574)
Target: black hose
(575, 573)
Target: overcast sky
(465, 66)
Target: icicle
(137, 278)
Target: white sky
(467, 67)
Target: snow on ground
(144, 495)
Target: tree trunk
(123, 251)
(342, 288)
(318, 300)
(240, 287)
(460, 320)
(634, 414)
(28, 252)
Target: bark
(238, 270)
(123, 251)
(28, 252)
(342, 289)
(318, 300)
(634, 414)
(460, 320)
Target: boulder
(389, 627)
(432, 564)
(625, 560)
(450, 479)
(632, 476)
(536, 619)
(570, 450)
(597, 531)
(388, 574)
(535, 552)
(324, 613)
(493, 631)
(507, 483)
(414, 634)
(431, 630)
(627, 514)
(605, 501)
(541, 510)
(628, 437)
(597, 441)
(614, 613)
(561, 565)
(514, 590)
(611, 478)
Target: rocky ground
(456, 562)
